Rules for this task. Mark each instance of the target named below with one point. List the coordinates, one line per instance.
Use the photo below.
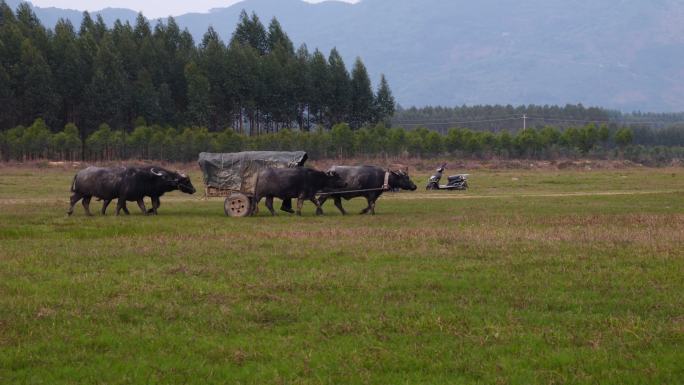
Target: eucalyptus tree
(68, 69)
(319, 74)
(35, 92)
(300, 72)
(106, 97)
(199, 105)
(251, 32)
(361, 96)
(338, 98)
(213, 63)
(384, 103)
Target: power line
(399, 123)
(448, 121)
(570, 120)
(624, 122)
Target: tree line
(37, 141)
(498, 117)
(255, 83)
(102, 94)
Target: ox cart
(234, 175)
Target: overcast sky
(153, 8)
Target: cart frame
(235, 175)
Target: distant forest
(508, 117)
(648, 129)
(121, 76)
(107, 94)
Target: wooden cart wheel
(237, 205)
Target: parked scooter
(454, 182)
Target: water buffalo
(300, 183)
(153, 182)
(126, 184)
(102, 183)
(372, 180)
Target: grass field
(531, 277)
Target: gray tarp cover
(238, 171)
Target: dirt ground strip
(391, 196)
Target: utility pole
(524, 121)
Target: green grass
(518, 281)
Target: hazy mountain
(623, 54)
(50, 15)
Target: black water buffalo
(153, 182)
(371, 180)
(126, 184)
(300, 183)
(99, 182)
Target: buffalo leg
(86, 205)
(105, 203)
(121, 205)
(322, 199)
(319, 209)
(269, 205)
(300, 204)
(73, 200)
(255, 206)
(155, 205)
(287, 206)
(141, 204)
(338, 204)
(370, 206)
